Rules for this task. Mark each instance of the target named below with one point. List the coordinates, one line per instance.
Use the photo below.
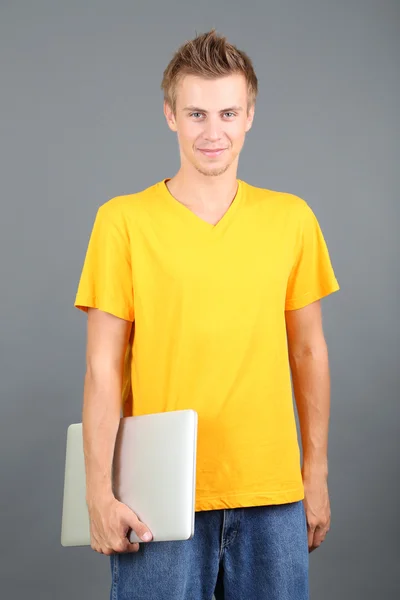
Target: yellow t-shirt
(208, 304)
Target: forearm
(100, 420)
(311, 385)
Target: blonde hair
(208, 55)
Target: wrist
(99, 497)
(313, 469)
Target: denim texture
(252, 553)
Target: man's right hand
(110, 523)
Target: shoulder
(279, 201)
(126, 205)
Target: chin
(212, 171)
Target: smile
(212, 153)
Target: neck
(198, 191)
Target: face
(211, 121)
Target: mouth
(212, 153)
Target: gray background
(81, 121)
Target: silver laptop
(154, 473)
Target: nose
(212, 131)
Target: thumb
(141, 530)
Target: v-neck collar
(186, 213)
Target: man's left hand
(317, 509)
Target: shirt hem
(310, 297)
(247, 500)
(83, 303)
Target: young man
(203, 292)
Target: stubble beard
(213, 172)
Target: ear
(169, 115)
(249, 119)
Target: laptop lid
(154, 473)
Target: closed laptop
(154, 473)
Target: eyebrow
(197, 109)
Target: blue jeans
(255, 553)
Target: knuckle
(120, 547)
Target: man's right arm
(107, 338)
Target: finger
(141, 530)
(103, 550)
(319, 536)
(126, 546)
(130, 546)
(310, 539)
(123, 545)
(95, 543)
(120, 546)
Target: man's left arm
(308, 356)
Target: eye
(194, 113)
(230, 113)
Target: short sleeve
(312, 276)
(106, 278)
